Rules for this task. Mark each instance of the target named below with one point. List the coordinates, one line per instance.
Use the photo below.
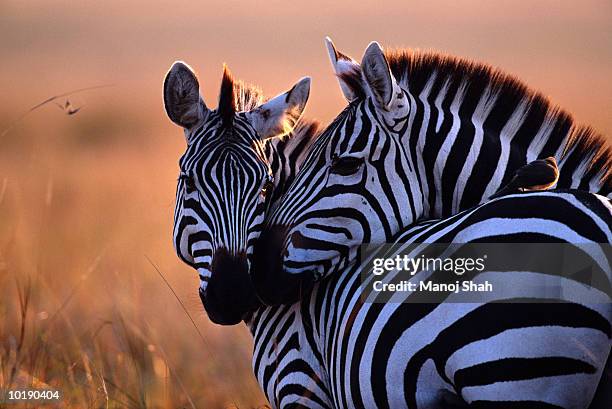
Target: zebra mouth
(273, 285)
(221, 313)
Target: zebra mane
(414, 69)
(296, 144)
(287, 153)
(237, 96)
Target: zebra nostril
(224, 262)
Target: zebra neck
(445, 136)
(468, 138)
(442, 141)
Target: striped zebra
(523, 349)
(287, 357)
(235, 156)
(424, 136)
(359, 184)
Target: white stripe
(539, 141)
(438, 105)
(423, 97)
(505, 137)
(447, 145)
(583, 344)
(568, 391)
(483, 109)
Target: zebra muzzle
(273, 285)
(229, 295)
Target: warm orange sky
(563, 48)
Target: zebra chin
(273, 285)
(229, 296)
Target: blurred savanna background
(87, 197)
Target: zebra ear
(347, 70)
(279, 115)
(182, 99)
(378, 77)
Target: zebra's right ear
(347, 70)
(182, 99)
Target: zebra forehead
(212, 137)
(221, 155)
(217, 133)
(236, 156)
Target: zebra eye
(188, 181)
(345, 166)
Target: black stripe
(487, 321)
(516, 369)
(517, 404)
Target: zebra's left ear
(378, 77)
(279, 115)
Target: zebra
(359, 184)
(236, 165)
(423, 136)
(235, 156)
(335, 348)
(287, 358)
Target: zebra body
(331, 349)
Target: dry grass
(82, 309)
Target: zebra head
(357, 185)
(225, 182)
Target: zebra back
(527, 349)
(338, 348)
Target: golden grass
(82, 309)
